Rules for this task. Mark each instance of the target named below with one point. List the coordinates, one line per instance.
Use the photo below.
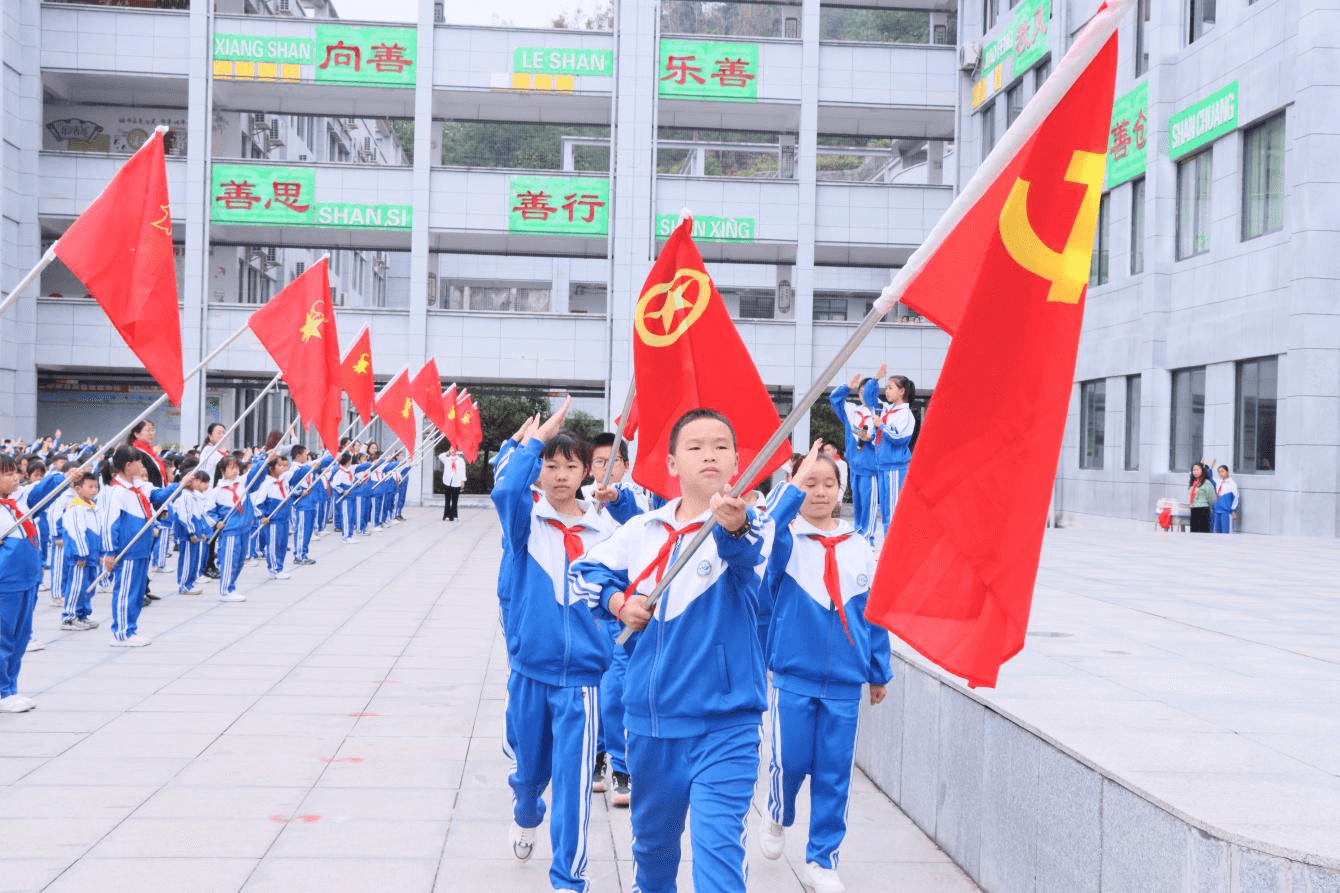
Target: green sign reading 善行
(544, 60)
(1203, 122)
(567, 206)
(709, 229)
(1128, 137)
(262, 195)
(708, 69)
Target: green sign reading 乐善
(568, 206)
(261, 195)
(1204, 122)
(1128, 138)
(337, 54)
(707, 69)
(1020, 46)
(543, 60)
(709, 229)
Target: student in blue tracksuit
(20, 575)
(401, 492)
(305, 480)
(362, 495)
(1225, 507)
(821, 651)
(556, 650)
(128, 508)
(895, 425)
(190, 530)
(80, 532)
(696, 689)
(274, 510)
(233, 517)
(858, 424)
(342, 486)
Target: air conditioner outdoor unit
(970, 56)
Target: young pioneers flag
(425, 390)
(453, 428)
(1006, 272)
(688, 355)
(356, 375)
(395, 405)
(297, 329)
(121, 249)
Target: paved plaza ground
(337, 732)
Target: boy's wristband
(739, 534)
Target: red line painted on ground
(364, 714)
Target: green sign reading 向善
(1203, 122)
(568, 206)
(544, 60)
(1020, 45)
(1128, 137)
(708, 69)
(262, 195)
(709, 229)
(338, 54)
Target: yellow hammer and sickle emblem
(362, 365)
(405, 412)
(674, 302)
(1067, 270)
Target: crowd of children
(80, 520)
(673, 720)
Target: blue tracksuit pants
(1221, 522)
(713, 777)
(275, 537)
(162, 534)
(57, 559)
(129, 582)
(863, 495)
(555, 738)
(190, 562)
(231, 553)
(304, 525)
(814, 737)
(16, 628)
(351, 509)
(78, 593)
(612, 739)
(887, 485)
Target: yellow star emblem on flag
(406, 411)
(362, 365)
(315, 320)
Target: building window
(1263, 179)
(755, 303)
(830, 309)
(1201, 19)
(1102, 243)
(1132, 423)
(1014, 104)
(1188, 418)
(1138, 225)
(1254, 441)
(1041, 73)
(1092, 400)
(1142, 37)
(1193, 204)
(988, 129)
(990, 14)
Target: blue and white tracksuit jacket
(189, 520)
(818, 669)
(233, 506)
(271, 501)
(123, 517)
(344, 493)
(81, 535)
(862, 464)
(895, 425)
(694, 693)
(558, 652)
(20, 575)
(307, 503)
(1221, 518)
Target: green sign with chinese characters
(708, 69)
(709, 229)
(1020, 46)
(543, 60)
(262, 195)
(1204, 122)
(1128, 138)
(567, 206)
(339, 54)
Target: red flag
(453, 430)
(629, 427)
(687, 355)
(121, 249)
(468, 424)
(956, 577)
(297, 328)
(395, 405)
(425, 390)
(356, 375)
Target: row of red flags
(1006, 276)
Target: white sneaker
(522, 840)
(282, 575)
(823, 880)
(233, 597)
(34, 645)
(771, 839)
(16, 704)
(135, 641)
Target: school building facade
(494, 197)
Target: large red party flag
(297, 329)
(395, 406)
(452, 430)
(121, 249)
(356, 375)
(955, 580)
(688, 355)
(469, 426)
(424, 387)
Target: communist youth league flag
(955, 580)
(469, 426)
(395, 406)
(687, 355)
(356, 375)
(425, 391)
(297, 329)
(121, 249)
(452, 430)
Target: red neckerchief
(573, 546)
(29, 528)
(232, 491)
(1194, 487)
(144, 500)
(662, 559)
(281, 487)
(149, 450)
(832, 582)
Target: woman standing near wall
(1201, 499)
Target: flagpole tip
(685, 214)
(161, 128)
(887, 298)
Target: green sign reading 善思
(708, 69)
(1203, 122)
(544, 60)
(262, 195)
(1020, 46)
(568, 206)
(369, 56)
(1128, 137)
(709, 229)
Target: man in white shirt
(453, 478)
